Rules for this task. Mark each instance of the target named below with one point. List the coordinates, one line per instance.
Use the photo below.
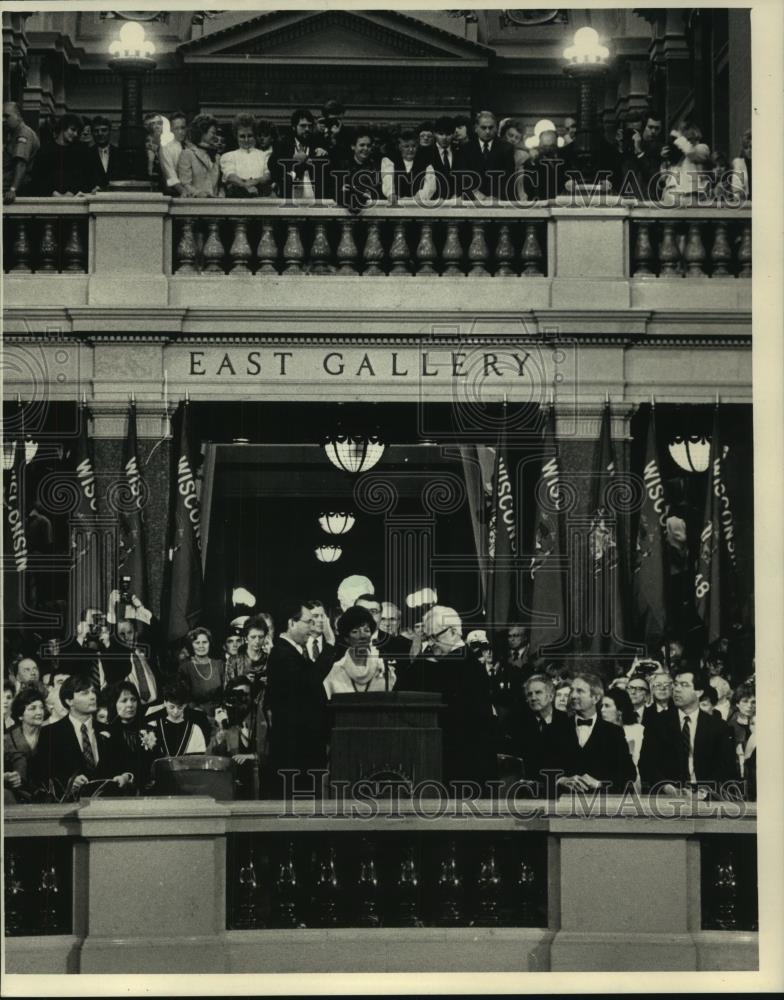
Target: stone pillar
(585, 265)
(129, 264)
(740, 77)
(156, 887)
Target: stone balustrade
(194, 885)
(397, 242)
(53, 239)
(690, 243)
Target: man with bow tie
(597, 752)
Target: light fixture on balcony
(354, 453)
(328, 553)
(586, 49)
(586, 59)
(337, 523)
(9, 453)
(132, 43)
(131, 58)
(690, 452)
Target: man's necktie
(95, 674)
(486, 150)
(445, 156)
(145, 694)
(584, 722)
(686, 737)
(87, 750)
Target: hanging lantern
(691, 453)
(353, 453)
(328, 553)
(337, 523)
(9, 451)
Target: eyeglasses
(638, 687)
(438, 635)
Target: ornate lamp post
(586, 60)
(132, 54)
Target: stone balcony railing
(194, 885)
(146, 251)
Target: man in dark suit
(104, 156)
(661, 693)
(300, 165)
(597, 753)
(77, 750)
(296, 703)
(445, 158)
(686, 747)
(451, 669)
(488, 166)
(544, 735)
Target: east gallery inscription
(358, 364)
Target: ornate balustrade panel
(45, 244)
(392, 242)
(38, 886)
(691, 244)
(378, 879)
(728, 875)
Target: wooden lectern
(386, 738)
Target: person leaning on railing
(20, 147)
(21, 743)
(199, 164)
(245, 170)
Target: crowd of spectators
(322, 157)
(94, 713)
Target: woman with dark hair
(199, 164)
(62, 167)
(360, 668)
(126, 723)
(204, 675)
(21, 742)
(86, 133)
(175, 734)
(8, 698)
(617, 709)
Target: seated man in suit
(597, 753)
(488, 167)
(661, 696)
(77, 750)
(687, 748)
(544, 735)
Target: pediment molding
(345, 35)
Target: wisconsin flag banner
(548, 601)
(502, 541)
(15, 550)
(604, 626)
(132, 548)
(88, 532)
(650, 569)
(184, 576)
(714, 578)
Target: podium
(385, 739)
(194, 774)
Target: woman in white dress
(360, 669)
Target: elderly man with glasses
(451, 669)
(638, 690)
(661, 694)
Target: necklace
(204, 677)
(186, 734)
(365, 688)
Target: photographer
(235, 736)
(82, 656)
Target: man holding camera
(235, 736)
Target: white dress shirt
(315, 646)
(139, 662)
(584, 732)
(247, 164)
